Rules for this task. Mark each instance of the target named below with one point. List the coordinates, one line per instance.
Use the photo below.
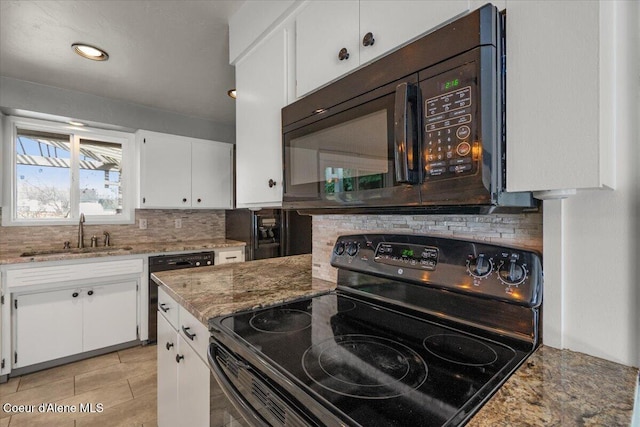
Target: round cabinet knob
(512, 273)
(272, 183)
(90, 293)
(208, 262)
(179, 358)
(197, 263)
(339, 248)
(184, 200)
(368, 39)
(199, 200)
(169, 345)
(343, 54)
(75, 294)
(352, 248)
(479, 266)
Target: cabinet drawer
(228, 257)
(168, 307)
(194, 333)
(71, 272)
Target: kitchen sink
(76, 251)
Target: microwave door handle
(405, 133)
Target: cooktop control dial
(352, 248)
(338, 249)
(512, 271)
(479, 266)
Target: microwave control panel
(450, 143)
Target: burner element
(364, 366)
(276, 321)
(345, 305)
(460, 349)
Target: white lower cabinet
(39, 337)
(101, 326)
(167, 374)
(183, 375)
(54, 324)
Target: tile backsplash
(196, 225)
(524, 230)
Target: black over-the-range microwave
(422, 129)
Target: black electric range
(421, 331)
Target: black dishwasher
(165, 263)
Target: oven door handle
(232, 393)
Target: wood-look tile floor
(123, 382)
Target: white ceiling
(166, 54)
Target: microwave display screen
(449, 84)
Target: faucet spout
(81, 231)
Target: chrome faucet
(81, 232)
(107, 238)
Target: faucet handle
(107, 238)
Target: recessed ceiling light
(74, 123)
(90, 52)
(232, 93)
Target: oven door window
(345, 158)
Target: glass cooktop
(377, 367)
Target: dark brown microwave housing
(476, 37)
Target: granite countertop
(224, 289)
(563, 388)
(119, 250)
(551, 388)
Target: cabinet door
(193, 387)
(559, 89)
(261, 80)
(48, 326)
(165, 180)
(110, 315)
(167, 375)
(323, 28)
(394, 22)
(211, 172)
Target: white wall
(22, 95)
(592, 242)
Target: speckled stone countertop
(224, 289)
(134, 249)
(563, 388)
(552, 388)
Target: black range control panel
(499, 272)
(407, 255)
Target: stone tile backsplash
(196, 225)
(524, 230)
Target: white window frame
(127, 183)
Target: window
(59, 172)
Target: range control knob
(338, 249)
(479, 266)
(512, 273)
(352, 248)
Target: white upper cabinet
(326, 43)
(566, 82)
(261, 83)
(181, 172)
(392, 23)
(333, 38)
